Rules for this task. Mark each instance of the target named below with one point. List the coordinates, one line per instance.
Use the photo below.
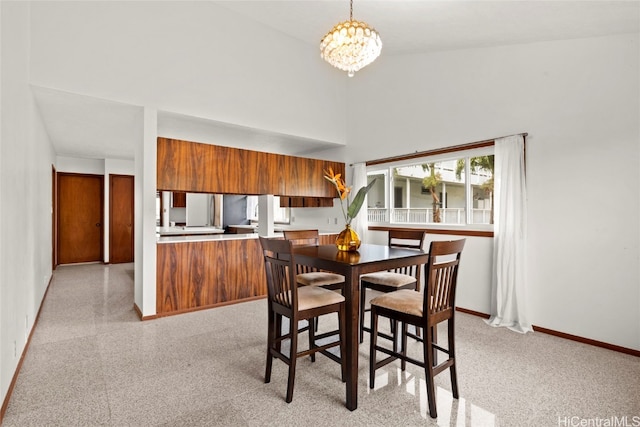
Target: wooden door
(121, 201)
(80, 207)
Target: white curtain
(509, 291)
(361, 222)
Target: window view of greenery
(455, 191)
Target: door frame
(54, 218)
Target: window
(454, 188)
(280, 215)
(158, 204)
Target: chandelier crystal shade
(351, 45)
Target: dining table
(368, 258)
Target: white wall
(26, 159)
(80, 165)
(145, 221)
(192, 58)
(579, 102)
(329, 219)
(475, 268)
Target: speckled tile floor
(92, 362)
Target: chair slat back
(442, 278)
(281, 277)
(408, 239)
(412, 239)
(303, 237)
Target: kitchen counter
(183, 230)
(210, 270)
(183, 238)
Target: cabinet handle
(98, 224)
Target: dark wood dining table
(351, 265)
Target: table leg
(352, 308)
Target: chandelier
(351, 45)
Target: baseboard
(472, 312)
(190, 310)
(207, 307)
(5, 403)
(564, 335)
(589, 341)
(140, 315)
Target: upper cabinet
(195, 167)
(179, 199)
(306, 202)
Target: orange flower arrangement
(352, 207)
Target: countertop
(182, 238)
(278, 228)
(180, 230)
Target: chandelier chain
(351, 10)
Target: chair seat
(404, 301)
(313, 297)
(319, 278)
(388, 278)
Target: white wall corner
(145, 218)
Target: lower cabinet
(194, 275)
(206, 274)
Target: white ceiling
(425, 25)
(93, 128)
(87, 127)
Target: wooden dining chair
(308, 276)
(286, 298)
(392, 280)
(425, 310)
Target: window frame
(386, 166)
(276, 206)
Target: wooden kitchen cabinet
(179, 199)
(205, 274)
(306, 202)
(194, 167)
(222, 274)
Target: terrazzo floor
(93, 362)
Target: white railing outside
(377, 215)
(481, 216)
(425, 216)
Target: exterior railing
(425, 215)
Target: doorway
(80, 214)
(121, 205)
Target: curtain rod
(416, 154)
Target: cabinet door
(204, 168)
(304, 177)
(179, 199)
(306, 202)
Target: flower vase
(348, 240)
